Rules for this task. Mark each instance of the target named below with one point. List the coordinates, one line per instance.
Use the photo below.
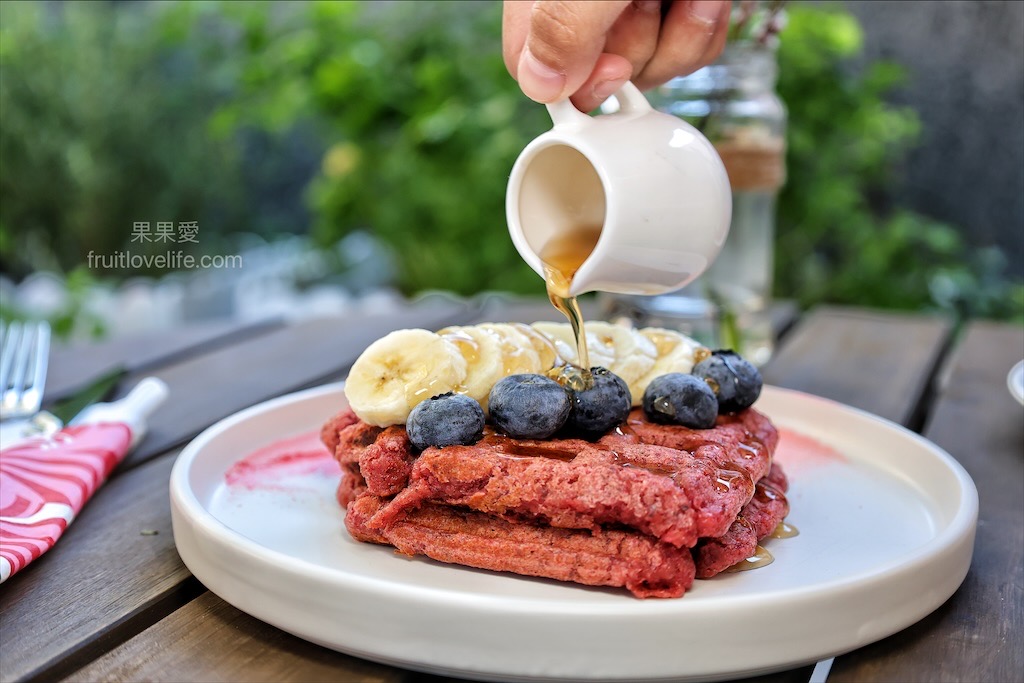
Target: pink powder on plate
(799, 451)
(268, 467)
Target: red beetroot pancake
(715, 491)
(639, 563)
(756, 521)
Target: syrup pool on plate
(762, 557)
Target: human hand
(586, 50)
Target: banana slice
(517, 352)
(620, 349)
(560, 335)
(633, 354)
(542, 346)
(676, 351)
(675, 354)
(485, 363)
(665, 341)
(600, 348)
(398, 371)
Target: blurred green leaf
(98, 390)
(104, 124)
(842, 236)
(423, 123)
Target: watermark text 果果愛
(171, 258)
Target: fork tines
(24, 353)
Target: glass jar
(733, 102)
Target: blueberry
(602, 407)
(735, 381)
(678, 398)
(445, 420)
(528, 406)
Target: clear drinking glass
(733, 102)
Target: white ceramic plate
(886, 522)
(1015, 382)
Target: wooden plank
(109, 573)
(784, 315)
(206, 388)
(208, 640)
(978, 635)
(879, 362)
(74, 365)
(213, 641)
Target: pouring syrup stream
(562, 256)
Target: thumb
(564, 42)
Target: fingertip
(708, 11)
(611, 67)
(539, 81)
(589, 99)
(602, 91)
(609, 75)
(721, 32)
(692, 36)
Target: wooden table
(112, 601)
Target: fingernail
(539, 81)
(706, 10)
(605, 89)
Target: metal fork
(24, 354)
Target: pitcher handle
(631, 100)
(565, 113)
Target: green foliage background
(400, 118)
(842, 237)
(424, 124)
(102, 125)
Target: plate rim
(184, 500)
(1015, 381)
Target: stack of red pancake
(648, 507)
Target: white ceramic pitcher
(652, 182)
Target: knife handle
(132, 410)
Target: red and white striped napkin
(45, 480)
